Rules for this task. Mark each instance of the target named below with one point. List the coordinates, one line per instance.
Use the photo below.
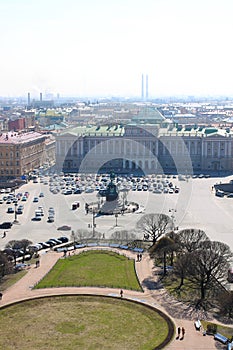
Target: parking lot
(191, 202)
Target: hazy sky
(101, 47)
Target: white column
(71, 149)
(138, 150)
(66, 146)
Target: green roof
(96, 130)
(116, 130)
(210, 130)
(148, 115)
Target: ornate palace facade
(150, 144)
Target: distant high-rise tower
(29, 99)
(147, 87)
(40, 96)
(142, 92)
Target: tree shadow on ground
(223, 319)
(178, 309)
(151, 284)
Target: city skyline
(102, 48)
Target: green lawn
(82, 322)
(93, 268)
(8, 280)
(224, 330)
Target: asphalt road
(196, 206)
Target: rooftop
(95, 130)
(14, 137)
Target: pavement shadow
(151, 284)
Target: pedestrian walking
(183, 332)
(1, 296)
(178, 332)
(121, 293)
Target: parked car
(36, 218)
(64, 228)
(10, 210)
(63, 239)
(78, 191)
(57, 241)
(50, 218)
(219, 193)
(6, 225)
(157, 191)
(50, 243)
(44, 245)
(20, 266)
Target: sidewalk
(153, 295)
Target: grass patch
(8, 280)
(93, 268)
(224, 330)
(81, 322)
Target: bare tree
(5, 264)
(81, 234)
(154, 225)
(175, 247)
(123, 235)
(15, 245)
(209, 264)
(163, 246)
(190, 239)
(181, 268)
(24, 243)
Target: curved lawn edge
(109, 252)
(171, 326)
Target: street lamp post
(15, 221)
(73, 237)
(116, 216)
(93, 222)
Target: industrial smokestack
(147, 87)
(41, 97)
(142, 96)
(29, 99)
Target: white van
(38, 213)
